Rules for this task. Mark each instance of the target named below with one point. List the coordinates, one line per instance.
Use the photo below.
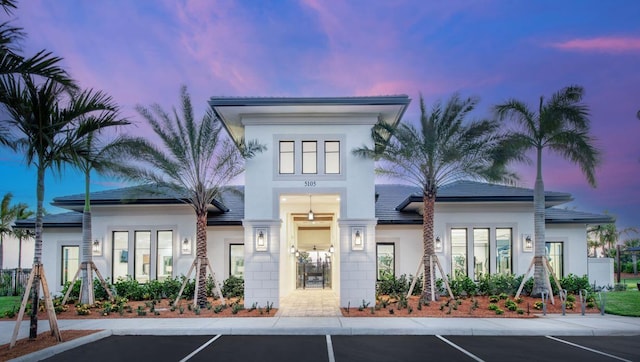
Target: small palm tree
(561, 126)
(193, 163)
(49, 133)
(444, 148)
(22, 213)
(8, 214)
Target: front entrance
(313, 269)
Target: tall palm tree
(90, 156)
(48, 134)
(43, 64)
(22, 213)
(8, 214)
(192, 163)
(444, 148)
(559, 125)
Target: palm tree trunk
(37, 253)
(1, 252)
(201, 253)
(428, 201)
(86, 252)
(539, 273)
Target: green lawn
(623, 303)
(7, 303)
(632, 283)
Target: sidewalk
(557, 325)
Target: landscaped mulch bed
(475, 307)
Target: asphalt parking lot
(356, 348)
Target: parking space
(368, 348)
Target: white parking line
(460, 348)
(332, 358)
(201, 348)
(588, 349)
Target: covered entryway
(310, 243)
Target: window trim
(339, 152)
(393, 266)
(315, 157)
(293, 155)
(320, 174)
(231, 245)
(62, 248)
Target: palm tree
(91, 156)
(445, 148)
(8, 214)
(22, 213)
(43, 64)
(560, 125)
(193, 163)
(49, 133)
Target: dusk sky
(142, 51)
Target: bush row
(490, 284)
(157, 289)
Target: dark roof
(554, 215)
(66, 220)
(391, 204)
(297, 101)
(140, 195)
(472, 191)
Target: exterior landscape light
(261, 240)
(186, 246)
(97, 247)
(527, 243)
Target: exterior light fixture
(186, 246)
(262, 240)
(292, 250)
(527, 243)
(310, 216)
(332, 249)
(97, 247)
(357, 236)
(438, 244)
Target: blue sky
(141, 52)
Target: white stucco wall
(53, 239)
(10, 247)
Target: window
(142, 263)
(386, 259)
(480, 253)
(236, 260)
(503, 251)
(120, 254)
(332, 157)
(459, 251)
(70, 263)
(309, 157)
(555, 256)
(287, 163)
(164, 255)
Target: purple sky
(140, 52)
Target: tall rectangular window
(459, 251)
(142, 262)
(503, 251)
(70, 262)
(480, 253)
(236, 260)
(309, 157)
(386, 259)
(165, 254)
(287, 157)
(120, 261)
(555, 254)
(332, 157)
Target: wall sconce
(292, 250)
(438, 245)
(186, 246)
(357, 238)
(96, 247)
(262, 240)
(527, 243)
(332, 249)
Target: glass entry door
(313, 272)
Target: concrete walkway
(557, 325)
(309, 303)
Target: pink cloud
(601, 44)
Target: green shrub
(573, 284)
(233, 287)
(129, 288)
